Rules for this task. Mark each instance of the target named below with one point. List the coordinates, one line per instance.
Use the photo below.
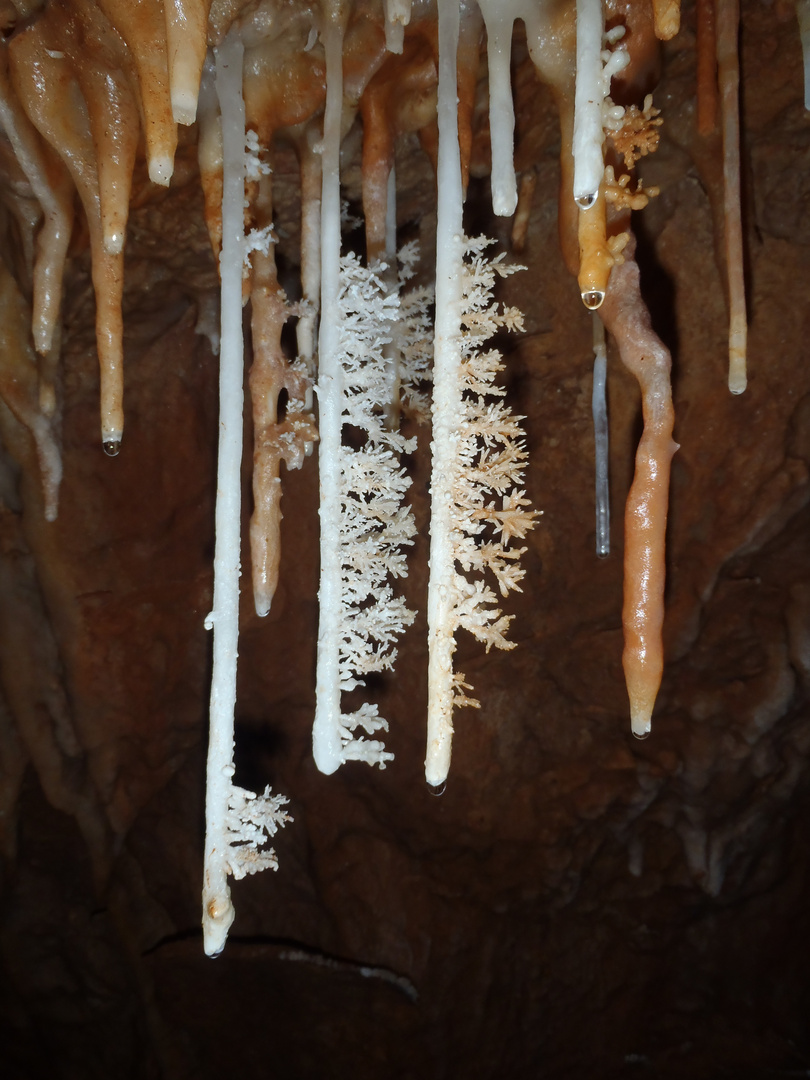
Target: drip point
(593, 300)
(585, 202)
(641, 734)
(112, 447)
(437, 789)
(602, 552)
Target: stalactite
(79, 82)
(626, 317)
(143, 28)
(186, 32)
(326, 742)
(803, 12)
(499, 20)
(728, 71)
(446, 365)
(275, 438)
(19, 389)
(310, 165)
(238, 822)
(595, 259)
(601, 438)
(46, 83)
(50, 185)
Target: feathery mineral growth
(81, 81)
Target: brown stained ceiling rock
(576, 903)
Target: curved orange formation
(626, 317)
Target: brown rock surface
(577, 903)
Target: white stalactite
(446, 393)
(326, 743)
(499, 17)
(237, 822)
(588, 98)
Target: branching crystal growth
(479, 459)
(369, 526)
(235, 845)
(251, 821)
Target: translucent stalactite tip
(184, 106)
(737, 379)
(160, 170)
(112, 447)
(585, 202)
(640, 723)
(437, 789)
(602, 550)
(593, 299)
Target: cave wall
(576, 902)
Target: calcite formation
(576, 902)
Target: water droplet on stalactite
(593, 300)
(112, 447)
(585, 202)
(602, 552)
(641, 734)
(439, 789)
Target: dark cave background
(577, 903)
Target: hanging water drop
(111, 447)
(593, 299)
(437, 789)
(641, 734)
(585, 202)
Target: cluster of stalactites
(87, 85)
(81, 80)
(84, 84)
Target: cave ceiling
(576, 902)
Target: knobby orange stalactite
(627, 319)
(275, 438)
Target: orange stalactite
(400, 98)
(595, 259)
(627, 319)
(51, 186)
(275, 438)
(143, 28)
(50, 92)
(520, 225)
(186, 45)
(99, 67)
